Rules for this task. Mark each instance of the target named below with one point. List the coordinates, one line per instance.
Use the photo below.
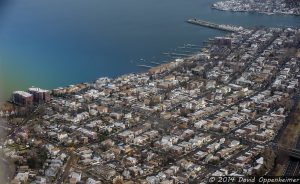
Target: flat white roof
(38, 90)
(22, 93)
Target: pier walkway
(214, 25)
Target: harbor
(183, 51)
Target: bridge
(295, 153)
(293, 165)
(292, 152)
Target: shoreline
(234, 8)
(159, 92)
(218, 111)
(193, 55)
(253, 12)
(7, 100)
(74, 79)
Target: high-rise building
(22, 98)
(39, 95)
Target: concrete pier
(214, 26)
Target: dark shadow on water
(3, 6)
(4, 3)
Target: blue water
(52, 43)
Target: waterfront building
(39, 95)
(22, 98)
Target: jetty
(222, 27)
(175, 54)
(145, 66)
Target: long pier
(214, 25)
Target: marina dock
(214, 25)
